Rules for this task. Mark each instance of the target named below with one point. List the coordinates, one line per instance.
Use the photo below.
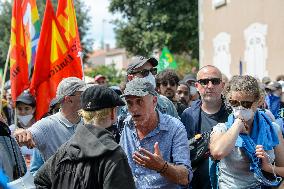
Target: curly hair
(166, 75)
(246, 84)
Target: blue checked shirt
(172, 138)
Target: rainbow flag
(31, 26)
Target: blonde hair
(98, 116)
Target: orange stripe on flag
(55, 60)
(18, 57)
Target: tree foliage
(151, 24)
(83, 21)
(108, 71)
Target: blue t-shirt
(172, 138)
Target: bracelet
(165, 167)
(244, 122)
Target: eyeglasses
(172, 83)
(245, 104)
(214, 81)
(146, 72)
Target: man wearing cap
(155, 144)
(91, 158)
(25, 106)
(51, 132)
(100, 80)
(143, 67)
(190, 80)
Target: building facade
(246, 31)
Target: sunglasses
(245, 104)
(172, 83)
(214, 81)
(145, 72)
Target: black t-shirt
(201, 179)
(208, 121)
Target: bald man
(204, 114)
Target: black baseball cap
(139, 61)
(99, 97)
(26, 98)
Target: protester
(167, 83)
(190, 80)
(204, 114)
(183, 93)
(25, 109)
(91, 158)
(155, 144)
(273, 98)
(51, 132)
(100, 80)
(143, 67)
(233, 142)
(261, 103)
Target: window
(222, 54)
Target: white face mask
(243, 113)
(193, 91)
(151, 79)
(25, 119)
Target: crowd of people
(137, 135)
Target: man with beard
(167, 83)
(204, 114)
(183, 93)
(155, 144)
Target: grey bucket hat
(139, 87)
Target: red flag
(66, 16)
(18, 57)
(54, 61)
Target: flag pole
(4, 76)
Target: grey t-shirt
(234, 170)
(51, 132)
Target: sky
(100, 23)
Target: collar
(65, 121)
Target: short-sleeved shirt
(172, 138)
(51, 132)
(234, 169)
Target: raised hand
(151, 161)
(260, 153)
